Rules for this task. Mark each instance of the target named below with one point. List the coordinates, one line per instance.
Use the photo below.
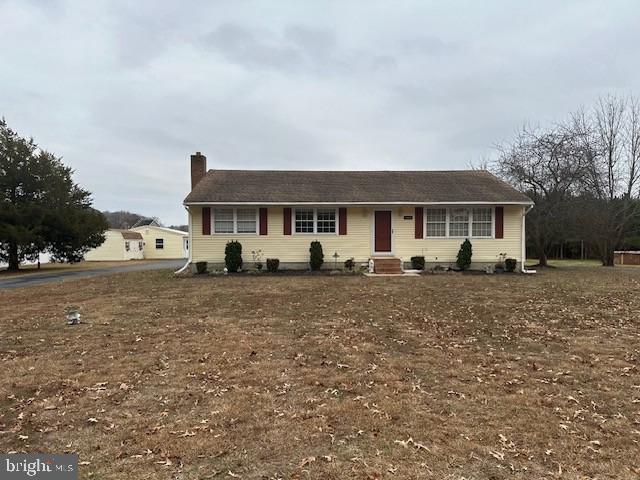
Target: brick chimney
(198, 168)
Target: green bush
(464, 255)
(510, 264)
(201, 267)
(233, 256)
(417, 263)
(316, 257)
(273, 264)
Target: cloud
(126, 91)
(295, 49)
(260, 49)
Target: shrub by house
(316, 257)
(464, 255)
(233, 256)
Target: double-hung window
(326, 221)
(304, 220)
(482, 224)
(315, 220)
(223, 220)
(159, 243)
(459, 222)
(465, 222)
(246, 220)
(436, 222)
(234, 220)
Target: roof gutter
(524, 242)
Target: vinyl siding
(445, 250)
(173, 242)
(113, 249)
(358, 241)
(288, 248)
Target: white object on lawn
(73, 315)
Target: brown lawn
(441, 376)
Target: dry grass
(440, 376)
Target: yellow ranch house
(384, 216)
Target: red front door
(382, 236)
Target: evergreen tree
(464, 255)
(316, 256)
(41, 208)
(233, 256)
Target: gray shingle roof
(280, 186)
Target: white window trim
(235, 221)
(446, 222)
(315, 221)
(469, 221)
(493, 222)
(469, 208)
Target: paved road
(38, 279)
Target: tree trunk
(14, 263)
(542, 258)
(607, 256)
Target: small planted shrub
(510, 264)
(464, 255)
(417, 263)
(201, 267)
(233, 256)
(349, 264)
(273, 264)
(316, 257)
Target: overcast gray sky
(126, 91)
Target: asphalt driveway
(29, 280)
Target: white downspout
(186, 265)
(524, 242)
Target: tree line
(123, 219)
(583, 175)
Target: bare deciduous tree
(610, 138)
(547, 166)
(583, 175)
(633, 146)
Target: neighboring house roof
(146, 222)
(165, 229)
(129, 235)
(400, 187)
